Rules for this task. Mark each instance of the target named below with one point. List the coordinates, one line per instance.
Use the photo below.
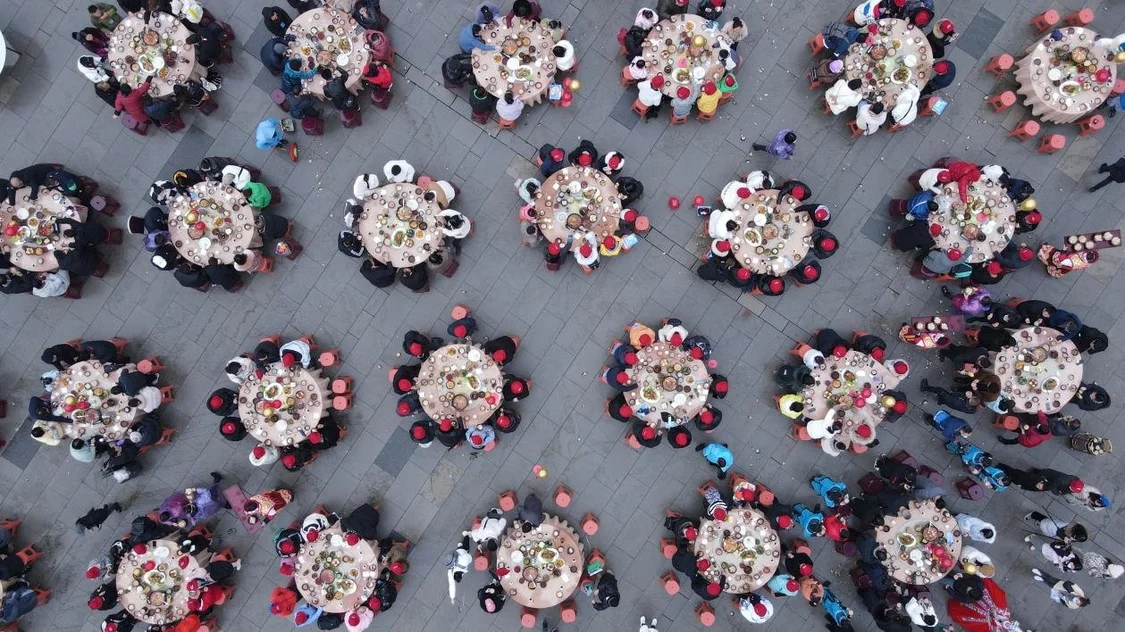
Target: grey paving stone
(980, 33)
(395, 454)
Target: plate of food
(900, 75)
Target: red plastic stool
(1090, 124)
(568, 611)
(563, 496)
(904, 457)
(677, 120)
(312, 126)
(381, 99)
(1118, 87)
(590, 524)
(208, 107)
(640, 109)
(504, 123)
(705, 614)
(479, 117)
(174, 124)
(1002, 101)
(507, 500)
(927, 106)
(105, 204)
(351, 118)
(670, 583)
(1052, 143)
(933, 475)
(133, 125)
(1000, 64)
(481, 561)
(150, 365)
(969, 489)
(342, 385)
(871, 483)
(528, 617)
(854, 128)
(667, 547)
(1045, 21)
(1081, 17)
(816, 44)
(277, 95)
(1026, 129)
(330, 357)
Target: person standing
(719, 455)
(1116, 173)
(782, 146)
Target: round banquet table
(771, 238)
(133, 61)
(229, 223)
(1046, 98)
(460, 381)
(330, 554)
(563, 197)
(523, 62)
(744, 548)
(301, 393)
(400, 225)
(37, 253)
(912, 563)
(667, 48)
(904, 39)
(335, 37)
(545, 583)
(108, 416)
(158, 596)
(989, 213)
(664, 388)
(838, 378)
(1041, 373)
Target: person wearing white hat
(365, 186)
(398, 171)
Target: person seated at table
(470, 39)
(668, 8)
(131, 382)
(913, 236)
(684, 100)
(336, 90)
(293, 78)
(104, 351)
(36, 177)
(843, 94)
(62, 356)
(509, 107)
(419, 345)
(944, 74)
(104, 16)
(711, 9)
(219, 274)
(768, 284)
(457, 69)
(515, 388)
(131, 101)
(275, 53)
(160, 111)
(369, 15)
(708, 418)
(587, 256)
(502, 349)
(232, 429)
(208, 42)
(303, 105)
(122, 465)
(17, 283)
(630, 189)
(376, 273)
(870, 117)
(480, 437)
(416, 278)
(297, 352)
(455, 226)
(277, 20)
(379, 77)
(584, 155)
(223, 402)
(838, 37)
(919, 12)
(905, 109)
(827, 71)
(93, 40)
(565, 58)
(398, 171)
(295, 458)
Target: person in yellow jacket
(708, 101)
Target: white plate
(205, 242)
(474, 354)
(513, 63)
(22, 213)
(342, 59)
(161, 551)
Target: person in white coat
(648, 94)
(932, 179)
(637, 69)
(365, 186)
(719, 224)
(509, 107)
(300, 348)
(189, 10)
(92, 67)
(870, 117)
(457, 564)
(457, 226)
(564, 56)
(646, 19)
(843, 95)
(734, 192)
(54, 284)
(236, 176)
(906, 106)
(398, 171)
(758, 180)
(487, 534)
(976, 529)
(239, 368)
(527, 188)
(755, 608)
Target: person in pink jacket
(131, 101)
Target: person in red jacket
(131, 101)
(1030, 433)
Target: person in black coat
(275, 52)
(363, 521)
(606, 594)
(232, 429)
(104, 351)
(376, 273)
(34, 176)
(84, 233)
(190, 275)
(208, 41)
(369, 15)
(492, 596)
(416, 278)
(62, 356)
(456, 70)
(277, 20)
(131, 382)
(94, 518)
(17, 283)
(708, 590)
(223, 402)
(222, 274)
(584, 155)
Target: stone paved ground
(48, 112)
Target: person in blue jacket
(951, 427)
(719, 455)
(811, 520)
(470, 39)
(832, 493)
